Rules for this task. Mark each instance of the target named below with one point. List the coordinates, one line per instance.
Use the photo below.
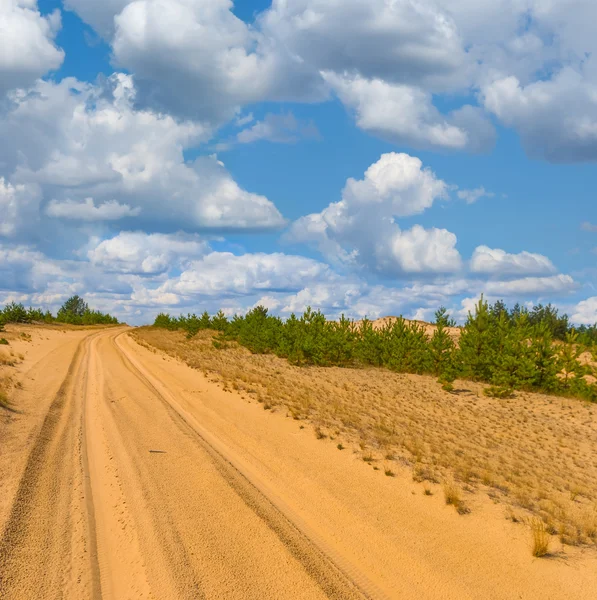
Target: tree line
(74, 311)
(518, 349)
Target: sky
(363, 157)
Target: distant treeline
(509, 349)
(74, 311)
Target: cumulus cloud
(100, 15)
(557, 118)
(149, 254)
(27, 49)
(88, 211)
(410, 43)
(494, 261)
(531, 63)
(531, 286)
(201, 47)
(406, 115)
(79, 141)
(360, 229)
(585, 312)
(24, 269)
(19, 206)
(223, 273)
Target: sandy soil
(128, 474)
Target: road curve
(125, 495)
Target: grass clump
(4, 401)
(453, 497)
(540, 538)
(3, 342)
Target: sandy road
(124, 495)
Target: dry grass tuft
(540, 538)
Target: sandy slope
(141, 479)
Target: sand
(128, 474)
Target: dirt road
(141, 479)
(123, 497)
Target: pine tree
(443, 318)
(568, 360)
(477, 350)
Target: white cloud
(404, 42)
(88, 211)
(27, 49)
(282, 129)
(80, 141)
(405, 115)
(557, 118)
(585, 312)
(529, 62)
(360, 230)
(196, 58)
(531, 286)
(494, 261)
(24, 269)
(471, 196)
(586, 226)
(148, 254)
(223, 273)
(100, 15)
(19, 205)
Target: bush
(505, 349)
(74, 311)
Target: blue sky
(365, 158)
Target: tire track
(40, 545)
(334, 575)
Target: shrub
(74, 311)
(509, 350)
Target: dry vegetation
(535, 454)
(9, 359)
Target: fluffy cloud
(79, 141)
(88, 211)
(494, 261)
(360, 230)
(24, 269)
(531, 286)
(585, 312)
(142, 253)
(27, 48)
(100, 15)
(531, 63)
(405, 115)
(19, 206)
(223, 273)
(200, 47)
(403, 42)
(557, 118)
